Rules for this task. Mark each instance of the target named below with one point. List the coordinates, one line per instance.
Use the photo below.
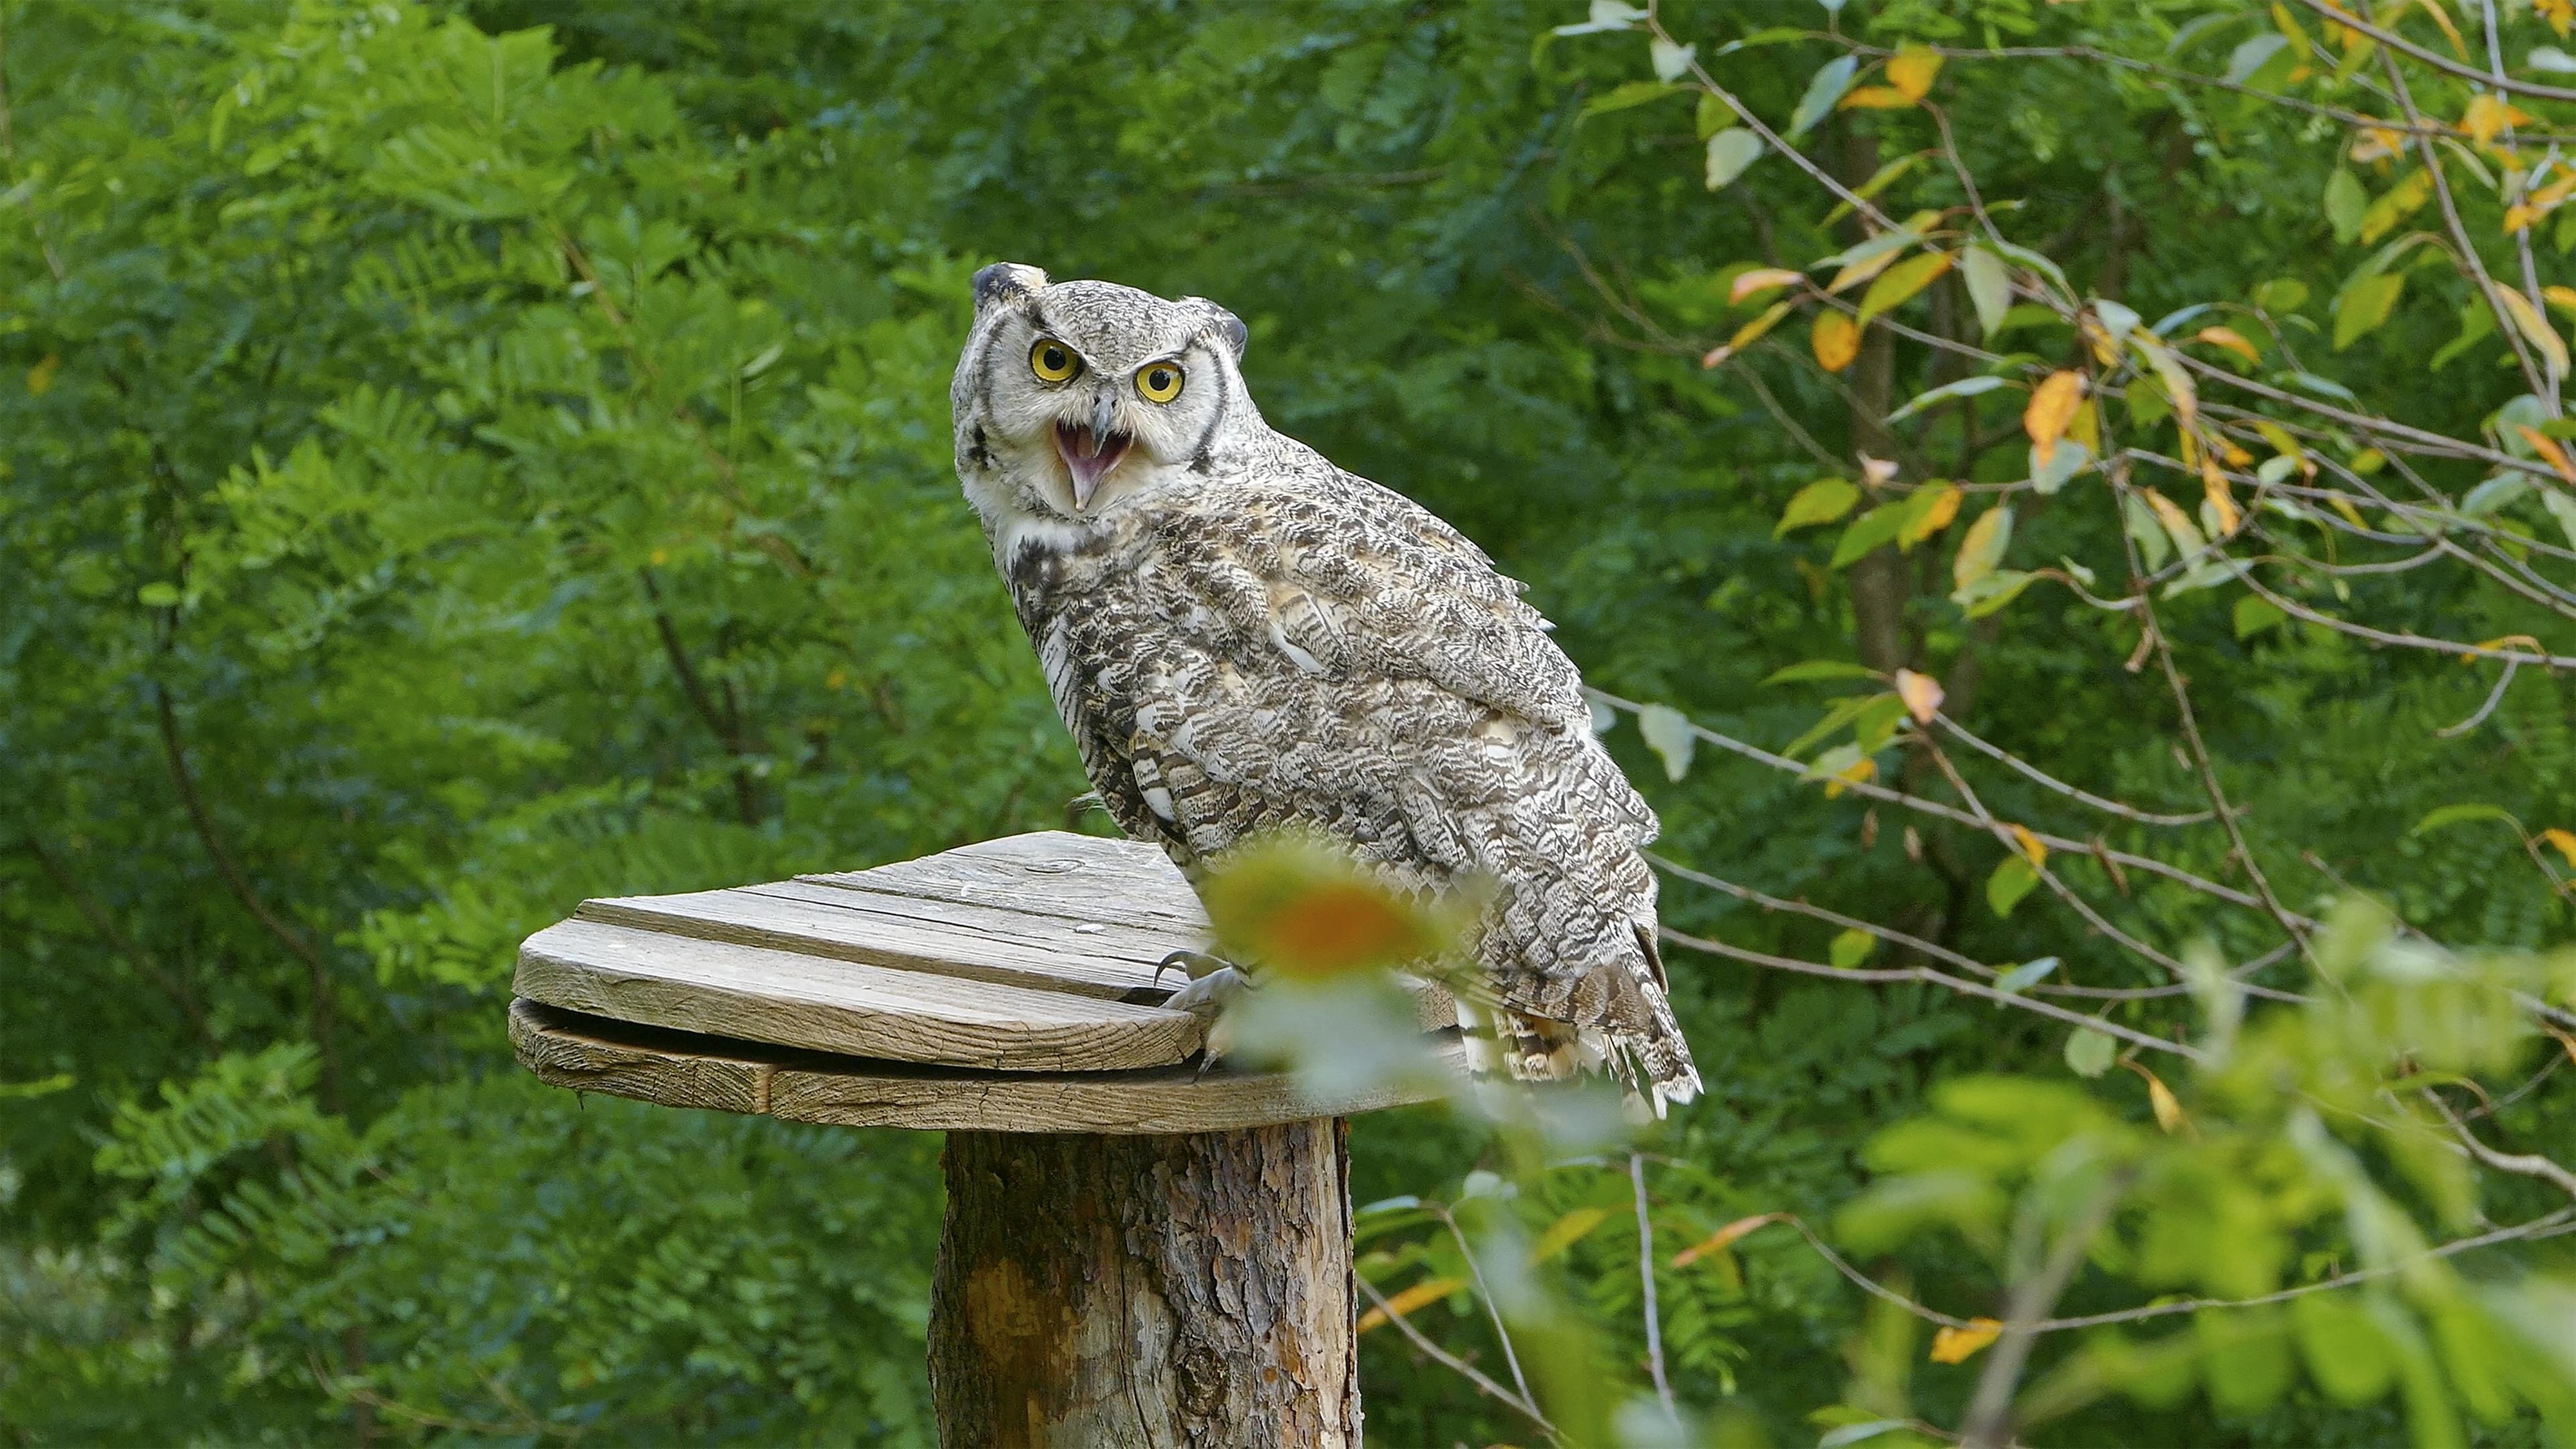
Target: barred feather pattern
(1242, 637)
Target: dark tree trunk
(1146, 1291)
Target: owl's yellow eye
(1052, 361)
(1159, 382)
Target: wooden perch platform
(1007, 986)
(1136, 1252)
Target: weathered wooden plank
(684, 1070)
(1049, 872)
(975, 942)
(760, 994)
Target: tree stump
(1134, 1253)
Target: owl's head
(1076, 399)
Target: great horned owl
(1243, 637)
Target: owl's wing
(1336, 657)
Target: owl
(1244, 638)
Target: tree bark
(1142, 1292)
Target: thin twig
(2435, 58)
(1646, 1281)
(1451, 1361)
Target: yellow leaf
(1565, 1232)
(1724, 1238)
(2564, 841)
(2213, 486)
(2528, 321)
(2562, 298)
(2522, 641)
(40, 378)
(2231, 339)
(1935, 517)
(1760, 279)
(1901, 283)
(2033, 849)
(1836, 339)
(1748, 334)
(1911, 70)
(2442, 18)
(1420, 1296)
(2489, 114)
(2169, 1113)
(1921, 693)
(1855, 273)
(1878, 98)
(2549, 451)
(1981, 549)
(1849, 775)
(2557, 12)
(1958, 1345)
(2052, 407)
(2344, 506)
(2086, 427)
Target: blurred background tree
(456, 459)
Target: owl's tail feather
(1653, 1066)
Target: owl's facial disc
(1089, 451)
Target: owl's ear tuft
(1226, 327)
(1004, 280)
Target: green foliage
(457, 459)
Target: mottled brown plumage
(1243, 637)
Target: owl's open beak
(1088, 456)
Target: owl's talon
(1207, 994)
(1207, 999)
(1196, 965)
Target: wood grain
(676, 1069)
(753, 993)
(1031, 953)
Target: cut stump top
(1005, 986)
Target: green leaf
(1625, 97)
(1729, 152)
(157, 595)
(2254, 614)
(1823, 89)
(1840, 713)
(2143, 528)
(1876, 722)
(2244, 1357)
(2281, 294)
(1964, 387)
(2562, 506)
(2250, 56)
(1669, 734)
(2498, 492)
(1820, 669)
(2365, 305)
(2065, 460)
(1822, 501)
(2011, 881)
(2345, 202)
(1712, 115)
(1992, 591)
(2089, 1052)
(1989, 287)
(2346, 1353)
(1874, 529)
(1670, 62)
(2449, 815)
(1851, 948)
